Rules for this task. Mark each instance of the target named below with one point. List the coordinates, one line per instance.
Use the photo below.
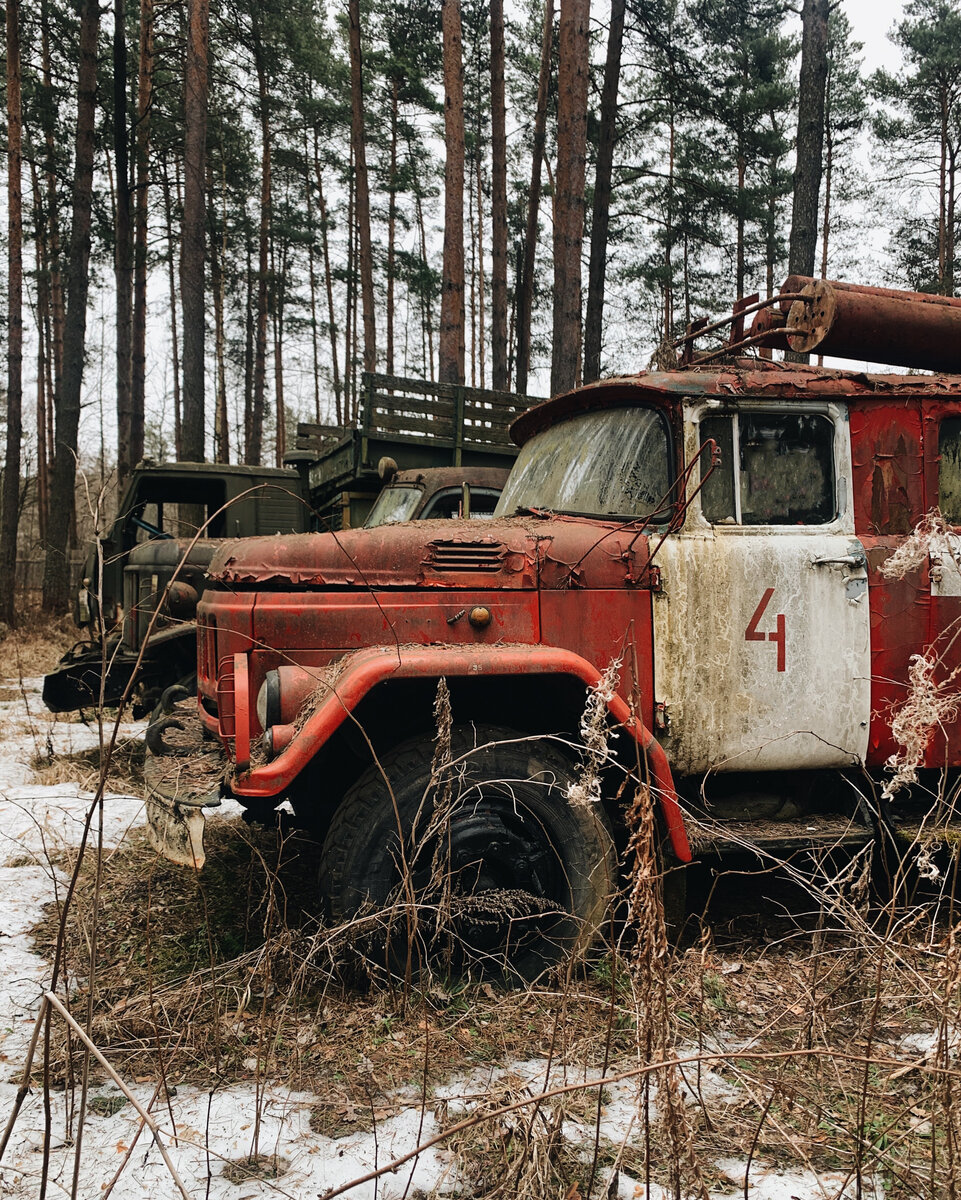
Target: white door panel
(761, 653)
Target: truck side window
(784, 468)
(949, 472)
(717, 495)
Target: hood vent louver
(466, 556)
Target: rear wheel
(479, 863)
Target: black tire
(506, 875)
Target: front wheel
(480, 861)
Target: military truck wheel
(481, 864)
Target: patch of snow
(767, 1182)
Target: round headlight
(268, 701)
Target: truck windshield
(613, 463)
(393, 505)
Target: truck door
(942, 455)
(762, 627)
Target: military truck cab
(154, 557)
(701, 554)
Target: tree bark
(601, 218)
(56, 573)
(44, 351)
(217, 260)
(572, 73)
(255, 442)
(248, 350)
(810, 137)
(312, 277)
(123, 248)
(362, 199)
(499, 374)
(331, 312)
(452, 337)
(172, 285)
(392, 221)
(193, 246)
(10, 518)
(138, 351)
(525, 298)
(48, 116)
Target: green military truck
(407, 425)
(133, 571)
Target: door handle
(847, 560)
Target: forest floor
(813, 1041)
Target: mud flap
(184, 775)
(177, 830)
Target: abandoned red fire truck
(700, 555)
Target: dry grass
(37, 644)
(800, 1026)
(125, 774)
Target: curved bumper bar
(337, 699)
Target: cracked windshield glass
(613, 463)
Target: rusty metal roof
(755, 378)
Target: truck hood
(519, 552)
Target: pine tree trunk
(452, 337)
(739, 252)
(427, 308)
(312, 277)
(828, 180)
(472, 272)
(277, 318)
(249, 325)
(392, 222)
(328, 274)
(56, 573)
(217, 260)
(525, 299)
(359, 142)
(499, 375)
(193, 248)
(138, 351)
(572, 78)
(810, 137)
(481, 290)
(44, 377)
(350, 305)
(601, 219)
(172, 286)
(48, 117)
(10, 518)
(949, 238)
(123, 248)
(255, 444)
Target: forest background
(216, 219)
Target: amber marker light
(479, 617)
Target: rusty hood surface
(518, 552)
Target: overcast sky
(873, 20)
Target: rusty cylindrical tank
(845, 320)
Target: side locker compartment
(889, 501)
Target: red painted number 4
(779, 636)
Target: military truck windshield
(614, 463)
(394, 505)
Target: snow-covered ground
(204, 1133)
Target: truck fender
(337, 696)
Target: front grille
(466, 556)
